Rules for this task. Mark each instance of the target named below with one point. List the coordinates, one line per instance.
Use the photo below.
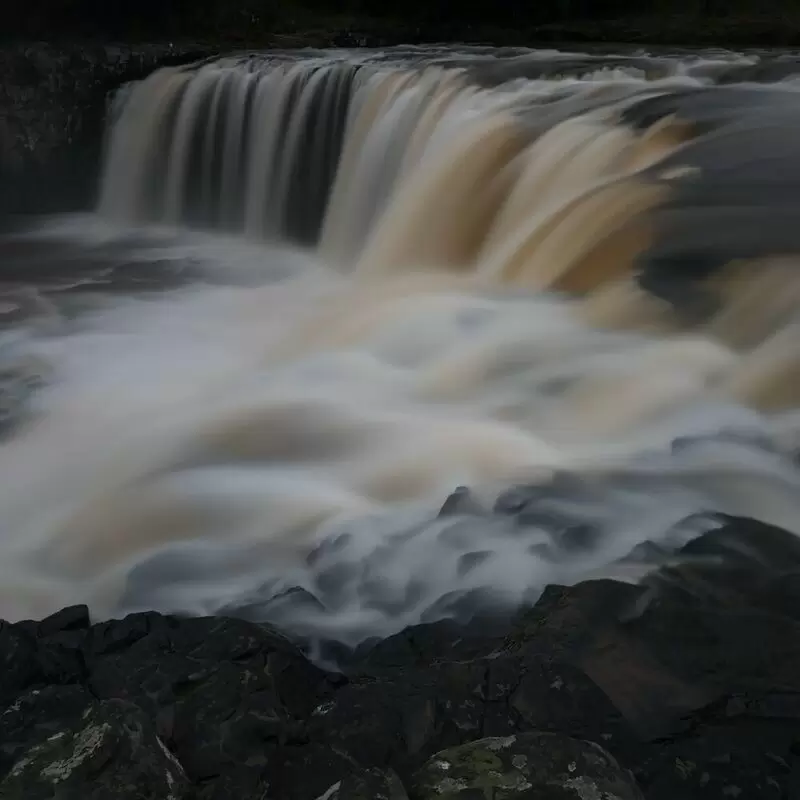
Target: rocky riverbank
(686, 687)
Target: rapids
(322, 290)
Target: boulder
(530, 766)
(111, 751)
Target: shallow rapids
(372, 278)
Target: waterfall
(471, 267)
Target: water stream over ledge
(321, 292)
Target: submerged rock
(462, 501)
(544, 766)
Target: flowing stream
(322, 290)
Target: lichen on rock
(113, 751)
(544, 766)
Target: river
(321, 290)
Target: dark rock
(461, 502)
(741, 564)
(332, 584)
(405, 716)
(53, 102)
(566, 618)
(557, 696)
(532, 765)
(111, 637)
(748, 542)
(310, 771)
(458, 534)
(112, 751)
(18, 653)
(562, 485)
(463, 606)
(690, 682)
(578, 537)
(424, 645)
(653, 700)
(470, 561)
(74, 618)
(263, 605)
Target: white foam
(193, 449)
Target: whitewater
(375, 277)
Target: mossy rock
(113, 751)
(531, 766)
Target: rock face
(686, 687)
(53, 104)
(533, 765)
(112, 740)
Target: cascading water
(404, 272)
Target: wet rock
(424, 645)
(721, 763)
(372, 784)
(277, 608)
(690, 682)
(747, 542)
(531, 765)
(113, 751)
(470, 561)
(464, 605)
(561, 507)
(74, 618)
(522, 499)
(18, 655)
(742, 564)
(461, 503)
(781, 594)
(224, 695)
(579, 537)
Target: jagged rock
(37, 715)
(371, 784)
(462, 501)
(747, 543)
(696, 693)
(112, 751)
(536, 766)
(225, 695)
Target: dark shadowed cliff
(53, 103)
(771, 22)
